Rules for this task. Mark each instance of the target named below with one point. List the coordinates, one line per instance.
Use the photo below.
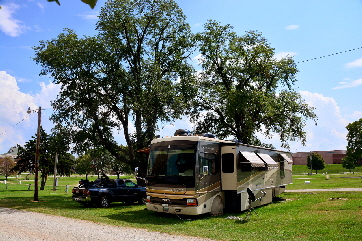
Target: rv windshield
(174, 158)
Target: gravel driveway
(18, 225)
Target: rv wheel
(217, 207)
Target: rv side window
(228, 163)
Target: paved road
(19, 225)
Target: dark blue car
(104, 191)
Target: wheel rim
(104, 202)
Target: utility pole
(37, 156)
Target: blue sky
(304, 29)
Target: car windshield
(176, 158)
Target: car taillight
(88, 193)
(191, 202)
(148, 199)
(73, 190)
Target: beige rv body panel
(264, 171)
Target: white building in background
(13, 152)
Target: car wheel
(104, 203)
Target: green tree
(84, 165)
(315, 162)
(354, 142)
(6, 165)
(100, 161)
(47, 149)
(119, 165)
(244, 89)
(135, 70)
(348, 163)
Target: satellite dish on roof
(181, 132)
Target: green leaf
(91, 3)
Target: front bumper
(174, 209)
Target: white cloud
(9, 25)
(13, 102)
(12, 112)
(330, 132)
(93, 15)
(355, 116)
(281, 55)
(292, 27)
(40, 5)
(352, 84)
(355, 64)
(48, 93)
(38, 28)
(198, 59)
(197, 25)
(16, 126)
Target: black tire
(129, 203)
(142, 200)
(217, 207)
(104, 202)
(87, 204)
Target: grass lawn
(301, 216)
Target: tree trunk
(44, 178)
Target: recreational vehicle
(193, 175)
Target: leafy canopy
(91, 3)
(354, 141)
(135, 70)
(315, 162)
(244, 89)
(6, 165)
(50, 145)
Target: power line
(329, 55)
(26, 117)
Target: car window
(130, 184)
